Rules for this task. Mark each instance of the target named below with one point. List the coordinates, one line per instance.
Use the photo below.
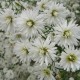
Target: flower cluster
(39, 40)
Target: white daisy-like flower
(70, 59)
(42, 5)
(44, 51)
(21, 50)
(30, 23)
(44, 73)
(67, 33)
(7, 21)
(55, 12)
(18, 36)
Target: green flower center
(46, 72)
(71, 57)
(43, 50)
(43, 6)
(54, 13)
(67, 33)
(30, 23)
(18, 36)
(9, 19)
(25, 50)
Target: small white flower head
(30, 23)
(7, 20)
(70, 59)
(67, 33)
(9, 75)
(42, 5)
(32, 77)
(71, 78)
(18, 36)
(21, 50)
(55, 13)
(44, 73)
(44, 51)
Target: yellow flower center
(54, 13)
(9, 19)
(67, 33)
(25, 50)
(46, 72)
(44, 51)
(71, 57)
(30, 23)
(43, 6)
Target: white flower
(42, 5)
(21, 49)
(18, 36)
(9, 74)
(66, 33)
(32, 77)
(55, 13)
(70, 59)
(71, 78)
(7, 21)
(15, 60)
(44, 51)
(44, 73)
(30, 23)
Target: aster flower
(44, 51)
(21, 50)
(42, 5)
(7, 21)
(44, 73)
(30, 23)
(67, 33)
(18, 36)
(55, 12)
(27, 52)
(70, 59)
